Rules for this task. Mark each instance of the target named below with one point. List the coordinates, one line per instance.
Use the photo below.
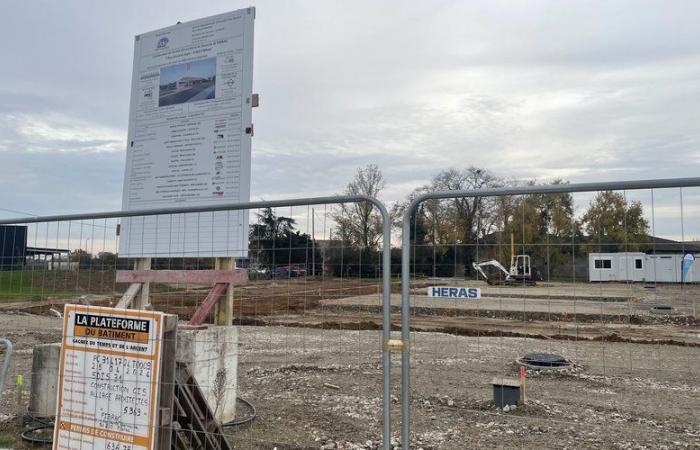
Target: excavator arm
(480, 268)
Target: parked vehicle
(257, 272)
(293, 271)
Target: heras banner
(466, 293)
(108, 379)
(189, 137)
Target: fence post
(386, 325)
(6, 364)
(167, 383)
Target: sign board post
(109, 379)
(142, 301)
(223, 314)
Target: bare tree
(457, 220)
(449, 228)
(360, 223)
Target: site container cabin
(639, 267)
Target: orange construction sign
(108, 379)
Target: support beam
(143, 301)
(224, 307)
(129, 296)
(183, 276)
(207, 305)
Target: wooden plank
(198, 428)
(144, 300)
(195, 420)
(210, 426)
(239, 276)
(208, 304)
(223, 314)
(129, 295)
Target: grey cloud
(57, 183)
(584, 90)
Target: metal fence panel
(301, 367)
(609, 295)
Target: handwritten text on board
(108, 379)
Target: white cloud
(55, 132)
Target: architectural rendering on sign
(187, 82)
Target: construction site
(460, 225)
(309, 361)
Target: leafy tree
(82, 257)
(444, 231)
(79, 255)
(466, 217)
(106, 260)
(543, 226)
(270, 226)
(541, 218)
(449, 235)
(455, 220)
(614, 222)
(273, 241)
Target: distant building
(13, 246)
(16, 255)
(662, 263)
(186, 82)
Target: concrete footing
(42, 397)
(212, 356)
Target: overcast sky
(584, 90)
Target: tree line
(447, 235)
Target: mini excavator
(521, 272)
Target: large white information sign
(189, 140)
(108, 379)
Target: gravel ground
(574, 299)
(322, 389)
(617, 396)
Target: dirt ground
(313, 370)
